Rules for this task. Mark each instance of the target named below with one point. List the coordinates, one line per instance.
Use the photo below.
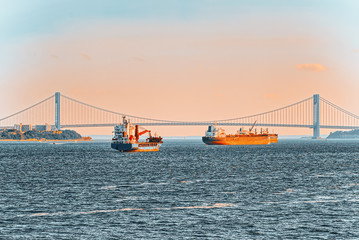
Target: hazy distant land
(353, 134)
(34, 135)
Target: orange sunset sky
(180, 60)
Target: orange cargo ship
(217, 136)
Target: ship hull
(136, 147)
(273, 138)
(240, 140)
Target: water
(293, 189)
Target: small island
(36, 135)
(353, 134)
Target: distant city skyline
(179, 60)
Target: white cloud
(315, 67)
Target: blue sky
(21, 17)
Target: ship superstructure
(217, 136)
(126, 138)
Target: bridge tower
(316, 115)
(57, 111)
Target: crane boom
(143, 132)
(253, 126)
(138, 134)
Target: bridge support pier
(57, 111)
(316, 115)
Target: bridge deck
(210, 123)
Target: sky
(180, 59)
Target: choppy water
(293, 189)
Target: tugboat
(126, 139)
(217, 136)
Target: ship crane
(138, 134)
(250, 130)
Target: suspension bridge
(64, 112)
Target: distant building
(23, 127)
(45, 127)
(17, 127)
(40, 127)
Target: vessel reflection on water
(126, 139)
(217, 136)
